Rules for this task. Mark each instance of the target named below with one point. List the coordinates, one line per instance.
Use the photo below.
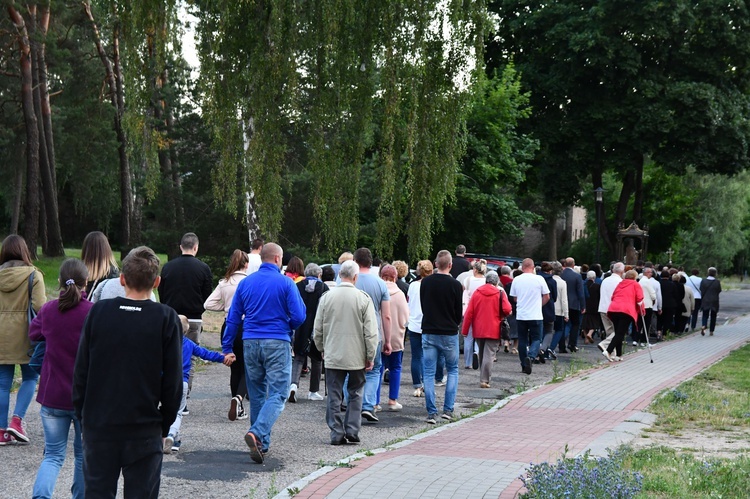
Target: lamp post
(599, 193)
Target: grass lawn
(713, 406)
(50, 267)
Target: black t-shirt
(440, 296)
(460, 265)
(129, 362)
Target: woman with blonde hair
(623, 311)
(20, 282)
(399, 320)
(220, 301)
(97, 255)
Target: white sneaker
(168, 443)
(315, 396)
(242, 413)
(642, 345)
(293, 393)
(606, 354)
(419, 392)
(395, 407)
(635, 343)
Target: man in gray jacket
(346, 333)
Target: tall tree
(615, 84)
(324, 66)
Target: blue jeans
(25, 391)
(393, 362)
(56, 423)
(529, 336)
(559, 332)
(417, 361)
(432, 346)
(372, 382)
(268, 371)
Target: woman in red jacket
(487, 307)
(626, 305)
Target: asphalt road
(214, 461)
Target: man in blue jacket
(576, 303)
(272, 308)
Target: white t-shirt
(415, 307)
(253, 263)
(528, 290)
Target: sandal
(514, 351)
(506, 350)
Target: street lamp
(599, 194)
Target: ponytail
(73, 277)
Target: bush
(582, 477)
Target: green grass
(716, 401)
(718, 398)
(50, 267)
(669, 473)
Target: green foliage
(720, 207)
(283, 75)
(493, 167)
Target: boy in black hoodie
(127, 383)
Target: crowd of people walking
(347, 323)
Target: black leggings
(622, 322)
(237, 383)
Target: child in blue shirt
(189, 348)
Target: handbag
(504, 324)
(38, 348)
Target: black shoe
(340, 441)
(536, 361)
(475, 361)
(369, 416)
(573, 349)
(562, 350)
(526, 365)
(386, 377)
(352, 439)
(541, 358)
(601, 348)
(551, 355)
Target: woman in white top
(220, 301)
(470, 284)
(414, 328)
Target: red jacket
(627, 299)
(484, 314)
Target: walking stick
(648, 342)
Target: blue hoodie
(190, 348)
(271, 304)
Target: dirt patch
(703, 443)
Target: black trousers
(574, 323)
(622, 322)
(138, 460)
(237, 383)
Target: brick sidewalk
(484, 456)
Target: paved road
(484, 456)
(214, 461)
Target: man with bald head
(272, 308)
(530, 291)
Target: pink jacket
(399, 316)
(484, 313)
